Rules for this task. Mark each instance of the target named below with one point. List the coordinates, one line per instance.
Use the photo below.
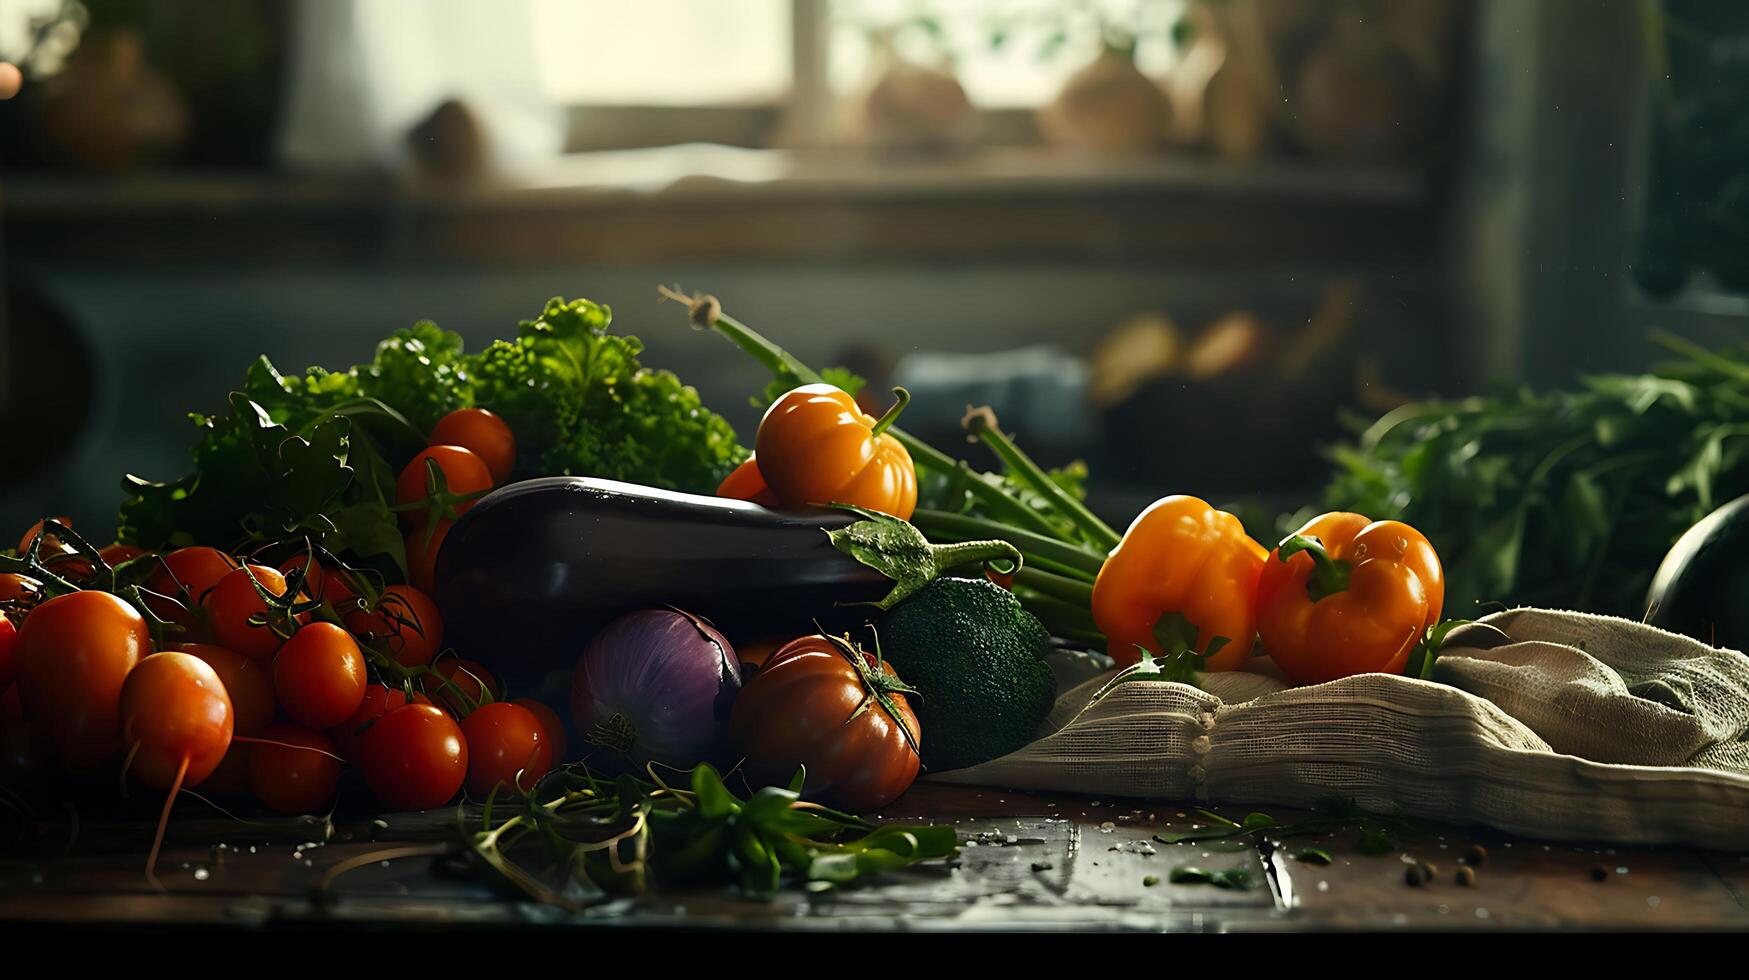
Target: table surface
(1030, 861)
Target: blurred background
(1178, 239)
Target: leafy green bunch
(1566, 498)
(615, 837)
(316, 455)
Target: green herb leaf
(900, 552)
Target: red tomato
(175, 716)
(197, 570)
(422, 556)
(405, 625)
(118, 553)
(19, 592)
(51, 545)
(318, 676)
(298, 775)
(414, 758)
(328, 583)
(552, 729)
(248, 682)
(466, 676)
(378, 701)
(482, 433)
(463, 473)
(8, 651)
(74, 653)
(806, 707)
(506, 749)
(230, 604)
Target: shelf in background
(716, 202)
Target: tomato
(506, 749)
(378, 701)
(230, 604)
(52, 545)
(119, 553)
(318, 676)
(482, 433)
(8, 651)
(552, 728)
(422, 556)
(19, 592)
(248, 682)
(176, 720)
(323, 581)
(810, 705)
(465, 677)
(298, 775)
(463, 473)
(405, 625)
(74, 653)
(414, 758)
(194, 569)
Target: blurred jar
(109, 110)
(1038, 392)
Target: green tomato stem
(982, 424)
(1036, 547)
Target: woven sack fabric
(1551, 724)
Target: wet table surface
(1029, 861)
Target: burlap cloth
(1571, 726)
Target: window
(664, 52)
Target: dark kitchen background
(1180, 240)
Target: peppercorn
(1476, 856)
(1466, 876)
(1599, 873)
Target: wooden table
(1029, 862)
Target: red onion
(654, 686)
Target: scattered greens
(317, 454)
(1566, 499)
(607, 838)
(1374, 834)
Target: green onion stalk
(1064, 544)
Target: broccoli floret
(976, 657)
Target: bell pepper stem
(1329, 575)
(886, 421)
(982, 424)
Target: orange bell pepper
(1183, 579)
(745, 482)
(1348, 595)
(815, 446)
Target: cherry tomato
(74, 653)
(463, 473)
(19, 592)
(806, 707)
(466, 676)
(8, 651)
(52, 545)
(482, 433)
(318, 676)
(248, 682)
(197, 570)
(378, 701)
(506, 749)
(175, 716)
(230, 604)
(329, 583)
(422, 556)
(414, 758)
(299, 775)
(552, 728)
(118, 553)
(405, 625)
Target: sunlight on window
(664, 52)
(1006, 53)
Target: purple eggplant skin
(533, 569)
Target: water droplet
(201, 874)
(1622, 870)
(1481, 913)
(1652, 900)
(1323, 886)
(1444, 909)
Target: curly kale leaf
(581, 404)
(419, 371)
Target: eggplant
(1701, 588)
(528, 573)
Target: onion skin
(654, 686)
